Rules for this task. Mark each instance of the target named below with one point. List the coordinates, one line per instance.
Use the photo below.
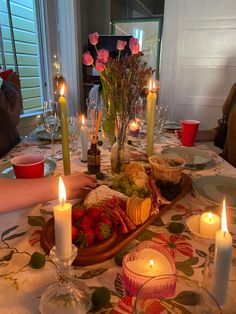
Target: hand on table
(77, 183)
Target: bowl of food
(167, 168)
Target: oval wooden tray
(109, 248)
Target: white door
(198, 62)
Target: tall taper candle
(62, 217)
(151, 117)
(222, 261)
(84, 140)
(64, 132)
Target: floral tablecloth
(21, 286)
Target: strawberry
(77, 213)
(86, 222)
(93, 213)
(102, 231)
(104, 218)
(89, 236)
(75, 233)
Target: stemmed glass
(51, 120)
(74, 133)
(161, 116)
(140, 114)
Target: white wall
(198, 63)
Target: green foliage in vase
(123, 79)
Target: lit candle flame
(150, 85)
(83, 119)
(153, 85)
(210, 216)
(62, 90)
(151, 263)
(62, 192)
(224, 226)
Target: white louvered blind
(27, 48)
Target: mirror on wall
(148, 33)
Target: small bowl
(193, 223)
(28, 166)
(167, 168)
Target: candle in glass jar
(62, 218)
(209, 224)
(134, 128)
(151, 115)
(150, 263)
(84, 140)
(222, 260)
(64, 132)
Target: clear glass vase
(120, 152)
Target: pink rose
(87, 58)
(100, 66)
(121, 44)
(103, 55)
(93, 38)
(134, 46)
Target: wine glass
(51, 120)
(74, 134)
(140, 114)
(161, 117)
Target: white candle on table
(150, 263)
(209, 224)
(84, 140)
(151, 116)
(62, 217)
(222, 261)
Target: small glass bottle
(94, 159)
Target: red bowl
(28, 166)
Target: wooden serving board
(109, 248)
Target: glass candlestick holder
(63, 296)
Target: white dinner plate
(215, 188)
(194, 157)
(45, 136)
(6, 169)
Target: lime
(100, 176)
(37, 260)
(101, 297)
(119, 258)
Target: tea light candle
(134, 128)
(62, 217)
(222, 261)
(150, 260)
(84, 140)
(156, 266)
(209, 224)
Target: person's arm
(20, 193)
(206, 135)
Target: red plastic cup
(28, 166)
(4, 75)
(189, 132)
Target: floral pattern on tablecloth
(21, 286)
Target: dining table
(21, 286)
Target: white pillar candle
(62, 217)
(209, 224)
(84, 141)
(222, 261)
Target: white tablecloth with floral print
(21, 286)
